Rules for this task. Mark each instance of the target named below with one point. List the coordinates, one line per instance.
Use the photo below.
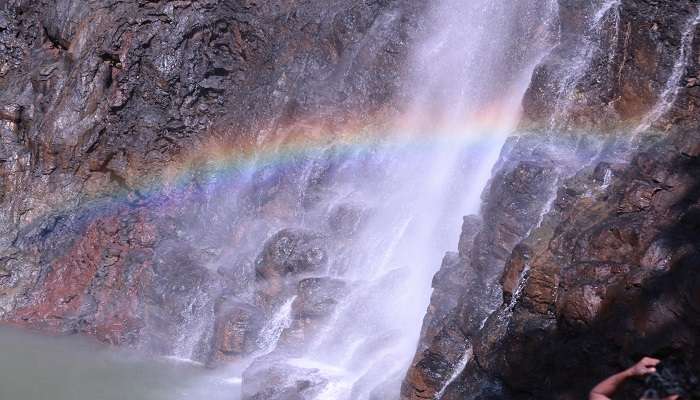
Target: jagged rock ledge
(580, 282)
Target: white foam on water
(183, 360)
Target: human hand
(646, 365)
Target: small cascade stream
(607, 13)
(605, 20)
(673, 84)
(463, 362)
(272, 330)
(301, 264)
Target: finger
(650, 361)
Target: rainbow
(234, 159)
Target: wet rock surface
(101, 103)
(466, 286)
(603, 287)
(275, 379)
(316, 300)
(583, 259)
(614, 64)
(289, 253)
(238, 325)
(586, 282)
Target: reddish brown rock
(465, 287)
(623, 62)
(92, 289)
(602, 289)
(111, 116)
(236, 330)
(638, 196)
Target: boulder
(287, 257)
(270, 378)
(236, 330)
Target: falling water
(463, 362)
(517, 293)
(603, 11)
(468, 79)
(607, 179)
(574, 71)
(673, 84)
(273, 329)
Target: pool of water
(34, 367)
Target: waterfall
(468, 78)
(260, 188)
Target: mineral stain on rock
(202, 179)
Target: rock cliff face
(102, 102)
(114, 223)
(586, 255)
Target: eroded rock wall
(579, 284)
(100, 103)
(582, 260)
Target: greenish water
(34, 367)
